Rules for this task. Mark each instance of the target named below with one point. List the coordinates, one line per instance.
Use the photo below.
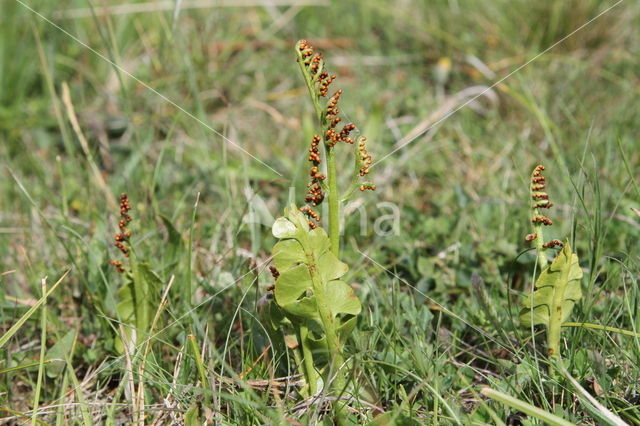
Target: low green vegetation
(442, 297)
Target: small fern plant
(139, 296)
(309, 294)
(557, 288)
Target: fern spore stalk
(540, 200)
(328, 115)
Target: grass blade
(525, 407)
(43, 350)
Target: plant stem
(334, 347)
(540, 250)
(334, 203)
(539, 241)
(307, 359)
(336, 378)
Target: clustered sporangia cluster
(331, 136)
(313, 62)
(540, 200)
(365, 161)
(275, 274)
(552, 244)
(123, 236)
(315, 195)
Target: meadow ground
(201, 116)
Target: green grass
(440, 299)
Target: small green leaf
(341, 299)
(307, 307)
(299, 220)
(347, 327)
(288, 253)
(330, 267)
(320, 241)
(292, 283)
(283, 228)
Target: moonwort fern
(557, 288)
(309, 295)
(139, 295)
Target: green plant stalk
(111, 408)
(55, 102)
(333, 343)
(147, 345)
(539, 241)
(311, 375)
(334, 203)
